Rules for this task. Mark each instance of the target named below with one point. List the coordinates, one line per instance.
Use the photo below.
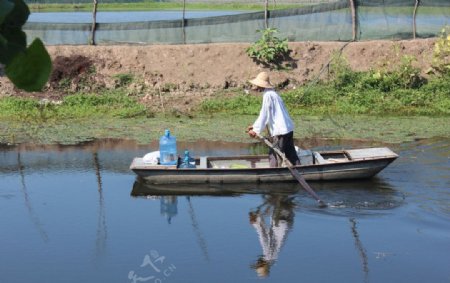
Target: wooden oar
(294, 172)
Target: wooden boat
(325, 165)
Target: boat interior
(263, 161)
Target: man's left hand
(252, 134)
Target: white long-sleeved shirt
(274, 115)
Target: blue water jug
(168, 149)
(188, 162)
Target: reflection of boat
(371, 196)
(143, 188)
(328, 165)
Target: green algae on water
(221, 127)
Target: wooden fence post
(354, 24)
(184, 22)
(414, 18)
(94, 23)
(266, 12)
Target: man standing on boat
(275, 117)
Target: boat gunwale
(263, 169)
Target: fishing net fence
(338, 20)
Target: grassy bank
(111, 104)
(350, 93)
(354, 98)
(319, 111)
(151, 6)
(84, 117)
(402, 91)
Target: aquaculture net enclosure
(341, 20)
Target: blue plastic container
(188, 162)
(168, 149)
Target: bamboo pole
(184, 22)
(361, 250)
(94, 23)
(266, 14)
(414, 18)
(33, 216)
(200, 239)
(102, 231)
(354, 25)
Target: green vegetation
(152, 6)
(27, 67)
(222, 127)
(401, 91)
(110, 104)
(441, 53)
(269, 50)
(124, 79)
(243, 104)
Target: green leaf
(30, 70)
(13, 39)
(3, 43)
(5, 8)
(13, 42)
(18, 16)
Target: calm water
(375, 18)
(67, 215)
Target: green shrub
(441, 53)
(113, 103)
(404, 76)
(109, 104)
(319, 95)
(269, 50)
(401, 91)
(439, 85)
(18, 107)
(124, 79)
(342, 75)
(238, 104)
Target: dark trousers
(285, 143)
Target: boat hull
(319, 172)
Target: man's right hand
(252, 133)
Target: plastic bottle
(168, 149)
(188, 162)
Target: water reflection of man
(272, 221)
(169, 207)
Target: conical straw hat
(262, 80)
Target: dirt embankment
(186, 74)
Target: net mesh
(331, 21)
